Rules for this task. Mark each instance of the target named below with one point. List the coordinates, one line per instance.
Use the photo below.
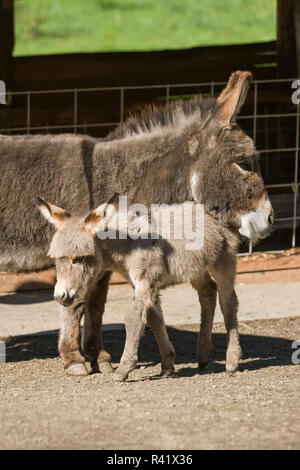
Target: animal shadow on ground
(29, 293)
(258, 351)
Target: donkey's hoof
(202, 365)
(231, 370)
(95, 367)
(106, 367)
(77, 368)
(119, 377)
(167, 372)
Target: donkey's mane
(152, 118)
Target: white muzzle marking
(255, 224)
(60, 291)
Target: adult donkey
(187, 151)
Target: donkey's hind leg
(157, 325)
(92, 343)
(224, 276)
(135, 324)
(207, 293)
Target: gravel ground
(41, 408)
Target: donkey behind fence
(150, 254)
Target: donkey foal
(83, 253)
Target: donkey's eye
(78, 260)
(249, 193)
(246, 165)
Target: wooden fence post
(286, 41)
(6, 40)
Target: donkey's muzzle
(64, 298)
(257, 224)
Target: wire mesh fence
(275, 128)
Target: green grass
(64, 26)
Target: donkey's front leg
(134, 324)
(207, 293)
(229, 306)
(69, 340)
(92, 342)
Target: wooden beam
(198, 64)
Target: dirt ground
(258, 408)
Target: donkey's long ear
(99, 218)
(232, 98)
(55, 215)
